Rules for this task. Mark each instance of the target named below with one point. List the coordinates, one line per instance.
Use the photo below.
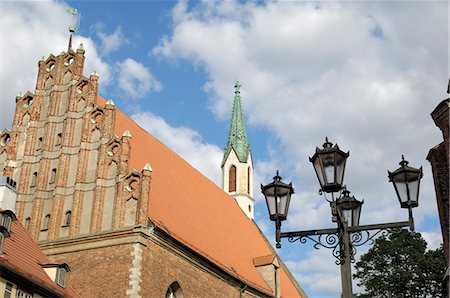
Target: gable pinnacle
(237, 135)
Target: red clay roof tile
(22, 255)
(196, 211)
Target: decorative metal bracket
(332, 238)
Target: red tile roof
(22, 256)
(196, 211)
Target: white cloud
(28, 31)
(185, 142)
(365, 74)
(110, 42)
(319, 271)
(360, 73)
(433, 239)
(135, 79)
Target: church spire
(237, 135)
(237, 164)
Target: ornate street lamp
(329, 164)
(406, 181)
(278, 197)
(349, 208)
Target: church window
(58, 139)
(46, 223)
(33, 179)
(67, 218)
(232, 179)
(174, 291)
(39, 144)
(248, 180)
(53, 176)
(249, 208)
(27, 223)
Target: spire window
(232, 179)
(248, 180)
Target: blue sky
(366, 74)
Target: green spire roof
(237, 136)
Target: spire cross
(237, 87)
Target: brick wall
(140, 262)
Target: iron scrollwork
(330, 241)
(333, 240)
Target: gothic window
(53, 176)
(248, 180)
(46, 223)
(39, 144)
(67, 218)
(232, 179)
(174, 291)
(58, 139)
(33, 179)
(27, 223)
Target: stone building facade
(129, 216)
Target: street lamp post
(329, 165)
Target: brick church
(129, 216)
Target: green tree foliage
(400, 266)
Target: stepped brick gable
(129, 216)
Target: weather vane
(74, 24)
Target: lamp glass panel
(413, 190)
(318, 169)
(347, 213)
(340, 168)
(328, 163)
(282, 204)
(271, 204)
(356, 215)
(402, 192)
